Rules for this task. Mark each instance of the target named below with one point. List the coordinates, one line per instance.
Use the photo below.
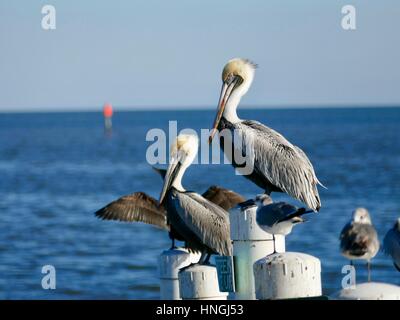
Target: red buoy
(108, 110)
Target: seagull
(278, 165)
(391, 244)
(203, 225)
(140, 207)
(358, 239)
(279, 217)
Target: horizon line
(197, 108)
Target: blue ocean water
(57, 169)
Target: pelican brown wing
(226, 199)
(135, 207)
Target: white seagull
(358, 239)
(279, 217)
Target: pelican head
(361, 215)
(182, 153)
(237, 77)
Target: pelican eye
(239, 81)
(232, 77)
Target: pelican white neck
(177, 183)
(186, 151)
(230, 113)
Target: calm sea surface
(57, 169)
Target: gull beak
(170, 175)
(226, 90)
(297, 220)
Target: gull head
(263, 200)
(361, 215)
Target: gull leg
(273, 239)
(369, 270)
(173, 244)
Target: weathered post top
(288, 275)
(169, 263)
(200, 282)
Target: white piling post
(250, 243)
(370, 291)
(200, 282)
(287, 275)
(170, 261)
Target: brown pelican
(140, 207)
(391, 244)
(202, 224)
(358, 239)
(279, 217)
(278, 165)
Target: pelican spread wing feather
(225, 198)
(137, 207)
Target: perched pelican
(279, 217)
(358, 239)
(391, 244)
(278, 165)
(202, 224)
(140, 207)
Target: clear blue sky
(142, 54)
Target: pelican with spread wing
(140, 207)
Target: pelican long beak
(226, 91)
(170, 176)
